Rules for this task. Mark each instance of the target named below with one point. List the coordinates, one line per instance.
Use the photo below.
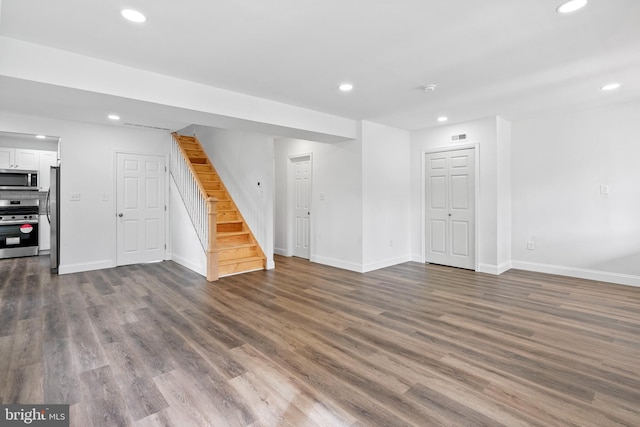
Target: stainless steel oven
(18, 228)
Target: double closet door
(450, 208)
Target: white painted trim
(386, 263)
(79, 268)
(582, 273)
(494, 269)
(280, 251)
(195, 267)
(332, 262)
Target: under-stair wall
(242, 159)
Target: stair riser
(232, 240)
(197, 161)
(235, 253)
(225, 205)
(226, 270)
(219, 194)
(227, 216)
(212, 185)
(202, 168)
(228, 228)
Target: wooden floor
(308, 345)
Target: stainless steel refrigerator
(53, 215)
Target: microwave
(11, 179)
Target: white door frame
(476, 148)
(290, 227)
(115, 199)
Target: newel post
(212, 250)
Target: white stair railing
(194, 200)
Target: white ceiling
(512, 58)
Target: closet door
(450, 208)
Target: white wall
(386, 190)
(244, 159)
(87, 152)
(484, 133)
(184, 245)
(559, 164)
(336, 221)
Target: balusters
(190, 193)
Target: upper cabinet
(24, 159)
(19, 158)
(47, 159)
(6, 157)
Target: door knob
(120, 214)
(449, 214)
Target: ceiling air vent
(138, 125)
(460, 137)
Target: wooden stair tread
(232, 233)
(232, 246)
(240, 260)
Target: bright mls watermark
(34, 415)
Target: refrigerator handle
(48, 205)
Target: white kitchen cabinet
(27, 159)
(44, 234)
(19, 158)
(47, 159)
(7, 156)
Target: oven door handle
(19, 221)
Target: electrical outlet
(75, 197)
(531, 245)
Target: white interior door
(450, 208)
(140, 194)
(301, 206)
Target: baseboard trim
(496, 270)
(332, 262)
(280, 251)
(195, 267)
(386, 263)
(597, 275)
(81, 267)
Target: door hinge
(165, 168)
(165, 208)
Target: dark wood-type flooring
(310, 345)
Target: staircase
(235, 246)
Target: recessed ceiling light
(571, 6)
(133, 15)
(113, 117)
(345, 87)
(443, 118)
(610, 86)
(429, 88)
(40, 136)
